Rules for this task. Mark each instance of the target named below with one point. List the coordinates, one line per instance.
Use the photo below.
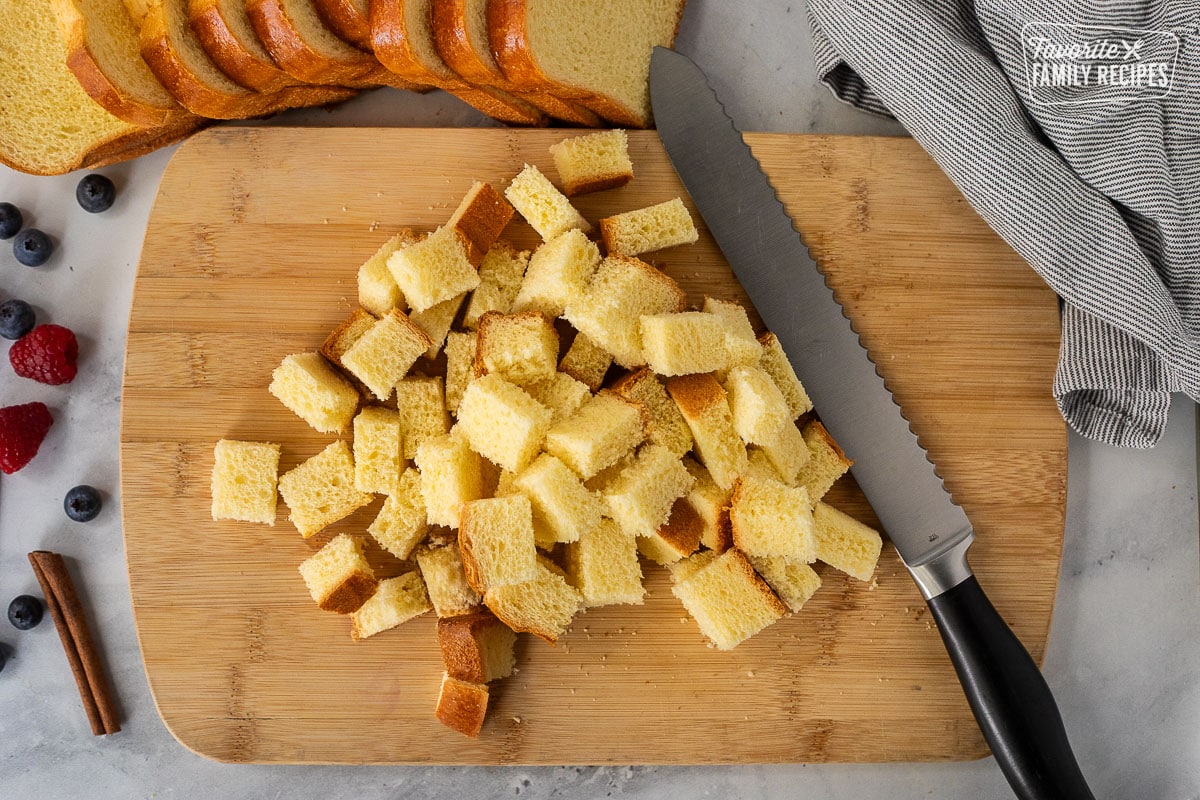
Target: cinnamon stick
(67, 612)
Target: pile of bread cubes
(540, 473)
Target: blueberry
(16, 319)
(25, 612)
(32, 247)
(82, 503)
(95, 193)
(10, 220)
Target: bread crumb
(517, 720)
(750, 673)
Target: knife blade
(932, 534)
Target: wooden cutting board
(251, 254)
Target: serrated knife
(1006, 691)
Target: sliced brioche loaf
(476, 646)
(728, 600)
(338, 575)
(396, 601)
(225, 32)
(593, 163)
(349, 19)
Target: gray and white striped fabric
(1101, 198)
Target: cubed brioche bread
(596, 53)
(562, 394)
(743, 348)
(402, 521)
(460, 366)
(495, 538)
(788, 452)
(436, 268)
(603, 565)
(794, 582)
(641, 497)
(522, 348)
(545, 208)
(500, 276)
(593, 162)
(687, 567)
(826, 461)
(396, 601)
(705, 407)
(647, 229)
(482, 215)
(462, 705)
(502, 422)
(445, 579)
(709, 501)
(342, 338)
(761, 466)
(559, 499)
(477, 647)
(377, 450)
(384, 353)
(313, 391)
(557, 270)
(846, 544)
(586, 362)
(758, 408)
(244, 478)
(451, 475)
(320, 491)
(775, 363)
(678, 538)
(600, 433)
(436, 322)
(338, 575)
(666, 426)
(771, 519)
(728, 600)
(421, 404)
(543, 606)
(683, 344)
(377, 289)
(620, 292)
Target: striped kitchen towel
(1074, 130)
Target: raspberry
(22, 429)
(46, 354)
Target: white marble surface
(1123, 657)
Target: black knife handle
(1010, 698)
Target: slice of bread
(377, 289)
(477, 647)
(684, 343)
(705, 407)
(711, 502)
(311, 389)
(338, 575)
(620, 292)
(846, 544)
(320, 491)
(445, 579)
(775, 363)
(678, 538)
(349, 19)
(543, 606)
(402, 522)
(227, 35)
(788, 453)
(104, 53)
(793, 581)
(557, 270)
(244, 479)
(603, 566)
(396, 601)
(562, 394)
(500, 275)
(377, 450)
(644, 230)
(436, 268)
(495, 537)
(595, 53)
(403, 39)
(460, 366)
(421, 403)
(641, 496)
(436, 321)
(451, 475)
(502, 422)
(461, 35)
(771, 519)
(666, 425)
(759, 410)
(586, 361)
(461, 705)
(593, 163)
(382, 356)
(522, 348)
(826, 461)
(598, 435)
(728, 600)
(559, 500)
(740, 342)
(543, 206)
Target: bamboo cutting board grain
(251, 254)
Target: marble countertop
(1124, 652)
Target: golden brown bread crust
(697, 394)
(349, 595)
(122, 147)
(466, 548)
(458, 638)
(481, 217)
(599, 183)
(739, 563)
(683, 528)
(343, 18)
(815, 428)
(341, 339)
(724, 529)
(227, 51)
(462, 706)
